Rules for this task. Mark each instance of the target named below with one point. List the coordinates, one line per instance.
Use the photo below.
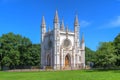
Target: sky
(99, 19)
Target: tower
(76, 31)
(62, 25)
(76, 38)
(56, 40)
(43, 31)
(83, 50)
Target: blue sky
(99, 19)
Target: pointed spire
(67, 31)
(76, 22)
(62, 25)
(56, 19)
(67, 28)
(49, 29)
(43, 22)
(82, 41)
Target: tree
(116, 43)
(17, 51)
(23, 47)
(89, 55)
(105, 56)
(9, 50)
(34, 55)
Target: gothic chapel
(60, 48)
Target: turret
(56, 18)
(83, 51)
(43, 31)
(76, 31)
(43, 28)
(67, 31)
(56, 21)
(76, 22)
(56, 39)
(62, 25)
(49, 29)
(67, 28)
(82, 43)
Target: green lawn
(62, 75)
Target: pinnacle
(76, 23)
(82, 38)
(62, 25)
(43, 21)
(56, 19)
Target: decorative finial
(62, 25)
(48, 28)
(43, 21)
(67, 31)
(82, 38)
(76, 22)
(56, 19)
(67, 28)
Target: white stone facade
(61, 48)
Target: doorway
(67, 60)
(48, 60)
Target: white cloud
(114, 23)
(84, 23)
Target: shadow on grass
(116, 71)
(103, 70)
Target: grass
(62, 75)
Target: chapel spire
(62, 25)
(67, 31)
(82, 41)
(48, 28)
(76, 22)
(43, 22)
(56, 18)
(67, 28)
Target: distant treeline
(17, 51)
(107, 56)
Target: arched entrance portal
(48, 60)
(67, 60)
